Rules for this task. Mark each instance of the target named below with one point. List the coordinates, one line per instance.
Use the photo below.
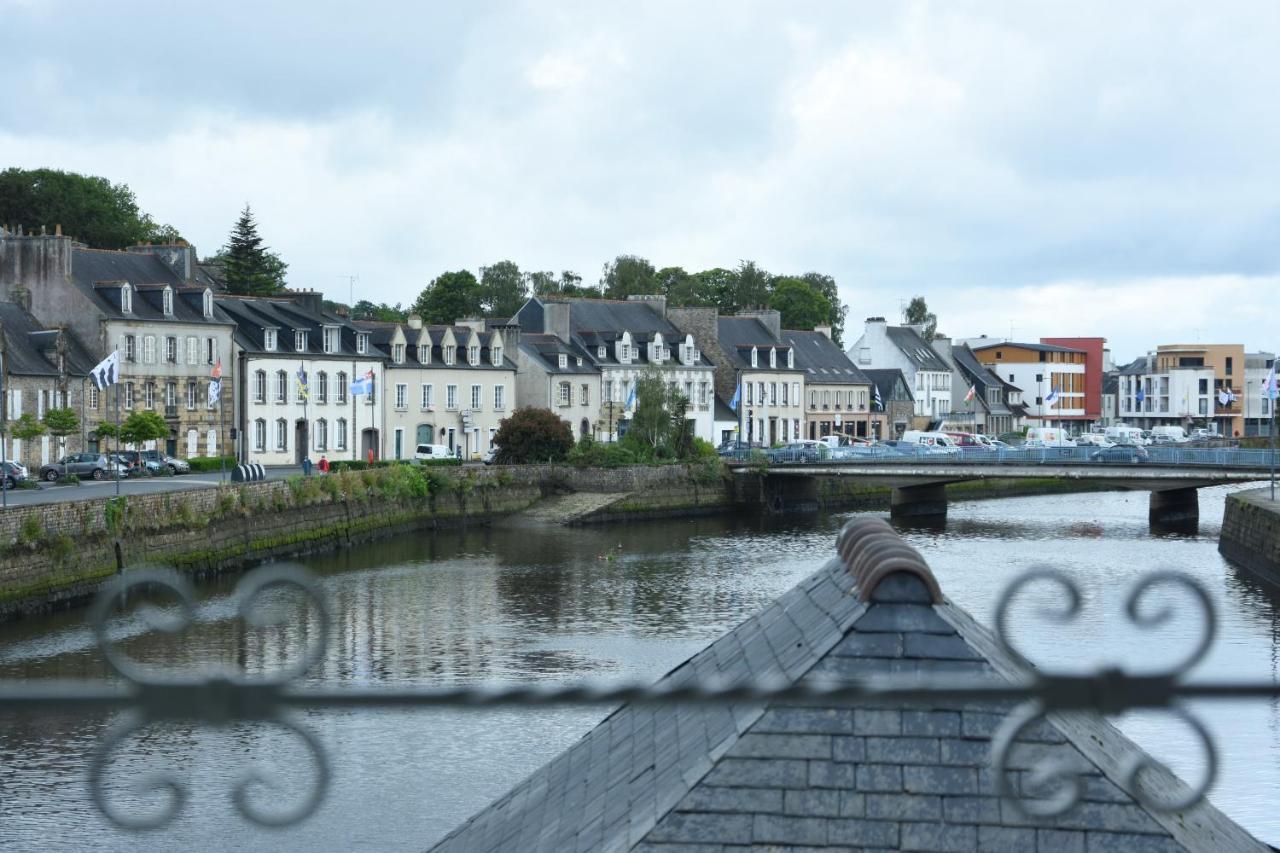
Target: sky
(1030, 168)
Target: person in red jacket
(324, 465)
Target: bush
(701, 450)
(68, 480)
(532, 435)
(211, 463)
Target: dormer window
(773, 357)
(126, 300)
(300, 341)
(362, 343)
(791, 359)
(424, 353)
(755, 359)
(602, 351)
(579, 361)
(496, 353)
(269, 340)
(397, 353)
(208, 304)
(330, 339)
(473, 355)
(449, 353)
(563, 361)
(166, 301)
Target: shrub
(532, 435)
(701, 450)
(68, 480)
(31, 532)
(211, 463)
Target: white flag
(215, 388)
(1269, 389)
(107, 371)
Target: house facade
(1257, 408)
(902, 348)
(556, 375)
(450, 385)
(154, 305)
(1040, 370)
(623, 339)
(980, 399)
(837, 395)
(1181, 384)
(294, 365)
(897, 409)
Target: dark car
(93, 465)
(137, 460)
(1130, 453)
(13, 474)
(177, 466)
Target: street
(91, 489)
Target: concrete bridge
(919, 488)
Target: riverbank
(1251, 532)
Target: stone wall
(1251, 532)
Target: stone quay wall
(1251, 532)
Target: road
(91, 489)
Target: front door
(299, 441)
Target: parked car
(489, 455)
(912, 448)
(1131, 453)
(94, 465)
(138, 460)
(425, 452)
(14, 473)
(175, 465)
(736, 448)
(805, 450)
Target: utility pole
(351, 280)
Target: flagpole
(115, 464)
(4, 461)
(1272, 393)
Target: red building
(1092, 370)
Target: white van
(933, 439)
(1121, 434)
(1168, 434)
(432, 451)
(1048, 437)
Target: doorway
(299, 441)
(369, 442)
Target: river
(622, 602)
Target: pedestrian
(369, 455)
(306, 466)
(324, 464)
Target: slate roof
(975, 373)
(822, 360)
(886, 379)
(99, 273)
(916, 349)
(826, 775)
(381, 334)
(739, 334)
(547, 349)
(31, 349)
(1137, 367)
(253, 315)
(594, 323)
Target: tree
(801, 306)
(628, 275)
(503, 289)
(142, 426)
(748, 288)
(918, 313)
(532, 435)
(366, 310)
(26, 427)
(91, 209)
(826, 285)
(449, 297)
(717, 284)
(651, 424)
(682, 289)
(250, 267)
(61, 423)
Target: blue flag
(363, 385)
(737, 397)
(1052, 398)
(1141, 395)
(631, 397)
(303, 390)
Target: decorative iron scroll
(223, 698)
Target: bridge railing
(1175, 457)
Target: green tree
(366, 310)
(143, 426)
(449, 297)
(250, 267)
(748, 288)
(91, 209)
(628, 275)
(503, 289)
(918, 313)
(532, 435)
(61, 423)
(801, 306)
(717, 285)
(651, 423)
(826, 285)
(682, 289)
(26, 427)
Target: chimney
(511, 337)
(475, 324)
(825, 330)
(769, 318)
(308, 300)
(415, 321)
(555, 319)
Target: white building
(885, 347)
(1257, 409)
(1147, 397)
(1051, 377)
(280, 341)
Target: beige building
(837, 395)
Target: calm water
(628, 602)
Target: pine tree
(250, 267)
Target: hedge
(211, 463)
(362, 465)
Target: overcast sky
(1030, 168)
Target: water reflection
(627, 602)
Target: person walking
(324, 464)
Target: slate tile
(1112, 817)
(903, 807)
(862, 833)
(940, 780)
(1059, 841)
(649, 847)
(980, 724)
(765, 745)
(778, 829)
(1029, 756)
(759, 773)
(903, 617)
(939, 837)
(812, 803)
(1008, 839)
(970, 753)
(707, 799)
(792, 720)
(902, 750)
(849, 748)
(852, 805)
(937, 646)
(931, 723)
(1102, 790)
(879, 777)
(902, 587)
(1113, 842)
(971, 809)
(830, 774)
(864, 645)
(877, 721)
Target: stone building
(896, 413)
(42, 369)
(152, 303)
(557, 375)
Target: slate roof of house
(594, 323)
(822, 359)
(739, 334)
(1138, 366)
(886, 379)
(916, 349)
(829, 774)
(975, 373)
(99, 273)
(253, 315)
(31, 349)
(381, 334)
(547, 349)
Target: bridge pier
(918, 501)
(1172, 506)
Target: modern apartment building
(1051, 377)
(1186, 385)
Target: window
(210, 350)
(602, 351)
(166, 300)
(608, 389)
(773, 393)
(126, 300)
(129, 395)
(760, 392)
(448, 353)
(207, 303)
(171, 350)
(424, 353)
(773, 357)
(362, 343)
(193, 350)
(322, 434)
(340, 435)
(149, 349)
(451, 397)
(282, 386)
(282, 434)
(1228, 366)
(476, 400)
(330, 339)
(585, 396)
(427, 391)
(402, 394)
(260, 435)
(340, 389)
(496, 353)
(93, 397)
(791, 359)
(321, 388)
(269, 340)
(784, 394)
(300, 341)
(473, 355)
(192, 390)
(170, 394)
(397, 353)
(755, 359)
(751, 394)
(149, 390)
(499, 397)
(564, 394)
(826, 399)
(702, 393)
(130, 348)
(562, 361)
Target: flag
(878, 401)
(631, 397)
(303, 391)
(363, 385)
(973, 389)
(215, 388)
(1141, 395)
(217, 369)
(737, 398)
(1226, 397)
(1269, 389)
(1052, 398)
(107, 371)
